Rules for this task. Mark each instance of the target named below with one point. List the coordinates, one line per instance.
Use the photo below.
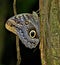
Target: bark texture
(50, 31)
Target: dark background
(7, 39)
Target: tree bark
(50, 31)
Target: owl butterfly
(27, 27)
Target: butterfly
(27, 27)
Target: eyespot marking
(32, 33)
(26, 22)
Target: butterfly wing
(26, 26)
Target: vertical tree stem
(42, 33)
(14, 7)
(17, 38)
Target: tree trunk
(50, 31)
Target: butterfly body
(26, 26)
